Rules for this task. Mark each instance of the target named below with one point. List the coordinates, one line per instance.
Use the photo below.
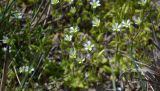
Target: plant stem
(5, 70)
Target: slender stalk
(5, 70)
(17, 76)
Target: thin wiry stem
(156, 43)
(34, 17)
(48, 12)
(45, 8)
(17, 76)
(5, 70)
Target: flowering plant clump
(79, 45)
(24, 69)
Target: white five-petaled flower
(137, 20)
(142, 2)
(5, 49)
(95, 3)
(72, 53)
(88, 45)
(116, 27)
(54, 1)
(80, 59)
(68, 37)
(5, 39)
(126, 23)
(74, 29)
(18, 15)
(96, 22)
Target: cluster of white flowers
(73, 55)
(72, 30)
(88, 45)
(95, 3)
(26, 69)
(96, 22)
(5, 40)
(117, 27)
(68, 37)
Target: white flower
(5, 39)
(126, 23)
(18, 15)
(88, 45)
(142, 2)
(119, 89)
(137, 20)
(68, 37)
(96, 22)
(116, 27)
(72, 53)
(95, 3)
(80, 59)
(74, 29)
(26, 69)
(5, 49)
(86, 74)
(54, 1)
